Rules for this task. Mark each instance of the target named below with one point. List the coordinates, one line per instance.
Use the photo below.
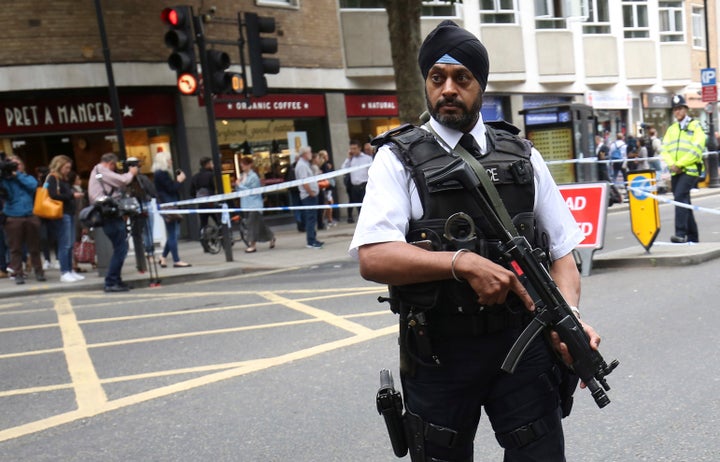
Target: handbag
(84, 251)
(45, 206)
(171, 217)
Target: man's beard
(461, 122)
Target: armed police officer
(460, 310)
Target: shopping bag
(84, 251)
(45, 206)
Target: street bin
(103, 251)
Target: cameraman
(112, 184)
(21, 227)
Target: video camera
(7, 167)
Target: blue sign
(641, 185)
(708, 76)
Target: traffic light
(181, 39)
(219, 80)
(257, 45)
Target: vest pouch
(525, 224)
(419, 297)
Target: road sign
(644, 210)
(588, 204)
(708, 78)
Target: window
(598, 17)
(287, 3)
(363, 4)
(635, 19)
(698, 26)
(438, 8)
(553, 14)
(498, 11)
(429, 8)
(671, 21)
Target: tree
(404, 29)
(405, 40)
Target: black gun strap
(487, 187)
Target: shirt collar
(452, 136)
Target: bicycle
(211, 237)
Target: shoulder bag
(45, 206)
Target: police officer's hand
(491, 282)
(562, 349)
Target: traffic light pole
(114, 99)
(210, 112)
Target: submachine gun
(551, 310)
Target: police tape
(642, 193)
(595, 160)
(225, 208)
(261, 190)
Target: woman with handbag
(64, 229)
(21, 226)
(168, 191)
(257, 229)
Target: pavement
(290, 253)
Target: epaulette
(385, 137)
(504, 125)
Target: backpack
(615, 153)
(650, 147)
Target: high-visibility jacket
(684, 148)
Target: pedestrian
(682, 151)
(327, 167)
(459, 290)
(22, 228)
(60, 188)
(618, 155)
(357, 180)
(601, 152)
(258, 231)
(202, 184)
(308, 197)
(106, 182)
(48, 239)
(168, 190)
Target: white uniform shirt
(391, 200)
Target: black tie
(468, 142)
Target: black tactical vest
(507, 163)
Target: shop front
(656, 111)
(271, 129)
(369, 116)
(39, 127)
(611, 110)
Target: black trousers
(470, 378)
(685, 225)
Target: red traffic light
(173, 17)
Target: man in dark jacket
(202, 184)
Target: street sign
(708, 78)
(644, 210)
(588, 204)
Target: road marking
(247, 368)
(323, 315)
(89, 393)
